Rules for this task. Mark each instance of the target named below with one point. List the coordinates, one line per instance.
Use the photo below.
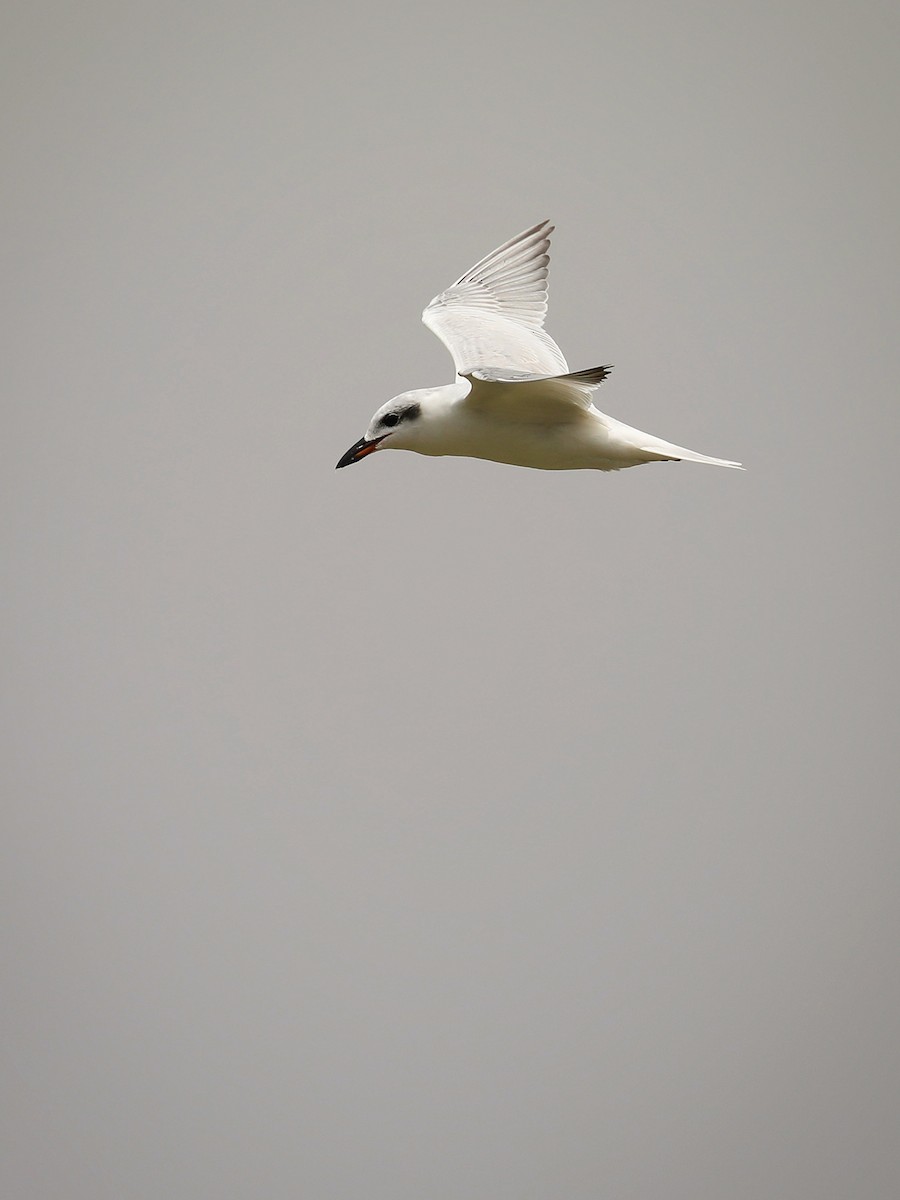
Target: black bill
(355, 453)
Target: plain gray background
(437, 828)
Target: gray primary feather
(590, 378)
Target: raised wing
(493, 316)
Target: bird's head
(396, 426)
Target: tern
(515, 400)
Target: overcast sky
(435, 829)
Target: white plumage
(515, 400)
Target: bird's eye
(391, 419)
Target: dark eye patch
(394, 418)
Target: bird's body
(515, 400)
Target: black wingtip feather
(592, 377)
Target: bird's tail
(640, 447)
(657, 450)
(660, 451)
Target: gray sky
(438, 828)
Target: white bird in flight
(515, 400)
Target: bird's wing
(493, 316)
(538, 399)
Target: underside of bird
(549, 422)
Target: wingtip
(543, 228)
